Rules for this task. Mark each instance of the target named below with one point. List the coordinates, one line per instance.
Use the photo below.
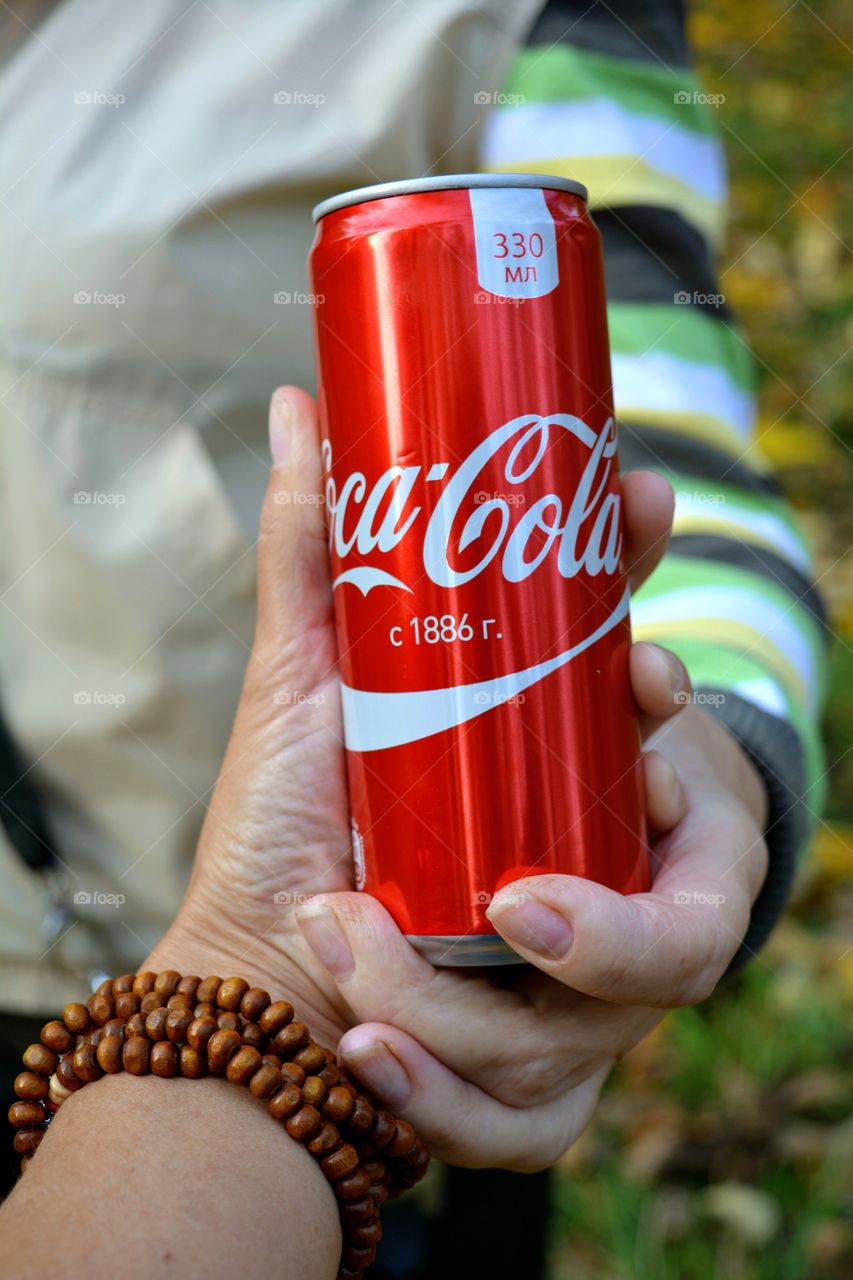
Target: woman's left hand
(499, 1070)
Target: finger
(661, 949)
(659, 682)
(458, 1121)
(294, 591)
(648, 505)
(666, 801)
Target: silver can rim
(447, 182)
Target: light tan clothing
(155, 199)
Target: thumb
(294, 594)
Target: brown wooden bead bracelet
(167, 1025)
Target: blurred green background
(723, 1147)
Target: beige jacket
(158, 164)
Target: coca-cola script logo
(584, 534)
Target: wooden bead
(266, 1081)
(155, 1023)
(231, 993)
(26, 1141)
(135, 1026)
(415, 1164)
(290, 1039)
(341, 1163)
(252, 1034)
(312, 1059)
(166, 982)
(85, 1063)
(101, 1008)
(199, 1032)
(314, 1091)
(115, 1027)
(178, 1023)
(339, 1105)
(76, 1018)
(189, 986)
(221, 1047)
(94, 1036)
(330, 1075)
(275, 1016)
(30, 1086)
(349, 1273)
(243, 1065)
(272, 1059)
(40, 1059)
(56, 1036)
(403, 1141)
(205, 1009)
(57, 1093)
(253, 1003)
(108, 1054)
(127, 1004)
(208, 989)
(164, 1059)
(375, 1169)
(150, 1001)
(365, 1233)
(135, 1055)
(123, 985)
(361, 1120)
(65, 1075)
(304, 1124)
(384, 1129)
(228, 1021)
(291, 1073)
(26, 1115)
(193, 1062)
(325, 1141)
(143, 983)
(180, 1000)
(357, 1256)
(353, 1187)
(354, 1212)
(104, 988)
(285, 1103)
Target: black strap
(22, 812)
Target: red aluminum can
(474, 509)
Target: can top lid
(446, 182)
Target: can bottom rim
(464, 950)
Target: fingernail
(384, 1074)
(533, 926)
(281, 416)
(324, 936)
(679, 681)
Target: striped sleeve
(612, 100)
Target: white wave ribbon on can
(374, 721)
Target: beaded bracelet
(171, 1025)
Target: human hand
(277, 830)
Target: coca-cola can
(474, 512)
